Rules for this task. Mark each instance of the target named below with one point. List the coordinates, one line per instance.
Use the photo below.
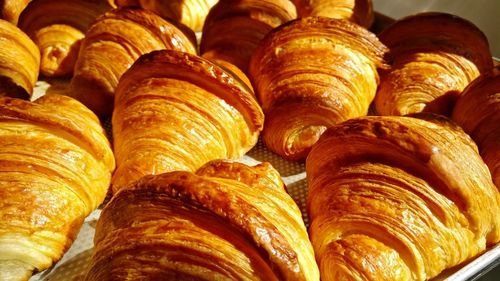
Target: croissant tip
(14, 270)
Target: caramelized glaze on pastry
(111, 46)
(11, 9)
(233, 29)
(191, 13)
(19, 62)
(436, 56)
(176, 111)
(398, 198)
(478, 112)
(57, 28)
(55, 169)
(357, 11)
(310, 74)
(228, 221)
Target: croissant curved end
(58, 57)
(398, 192)
(233, 29)
(20, 61)
(57, 28)
(13, 270)
(306, 77)
(357, 11)
(11, 9)
(435, 56)
(56, 166)
(112, 44)
(483, 125)
(191, 13)
(256, 238)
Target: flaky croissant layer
(57, 28)
(11, 9)
(191, 13)
(110, 47)
(398, 198)
(19, 62)
(55, 168)
(233, 29)
(478, 112)
(357, 11)
(436, 56)
(310, 74)
(175, 111)
(228, 221)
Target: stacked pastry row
(389, 197)
(175, 112)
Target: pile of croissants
(402, 194)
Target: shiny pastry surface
(55, 168)
(357, 11)
(110, 47)
(310, 74)
(398, 198)
(19, 62)
(191, 13)
(176, 111)
(228, 221)
(233, 29)
(57, 28)
(478, 112)
(435, 56)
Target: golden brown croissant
(191, 13)
(233, 70)
(111, 46)
(228, 221)
(311, 74)
(398, 198)
(11, 9)
(56, 166)
(57, 28)
(176, 111)
(436, 56)
(357, 11)
(233, 29)
(478, 112)
(19, 62)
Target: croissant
(357, 11)
(436, 56)
(191, 13)
(11, 9)
(56, 169)
(310, 74)
(57, 28)
(228, 221)
(477, 111)
(233, 70)
(176, 111)
(233, 29)
(398, 198)
(111, 46)
(19, 62)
